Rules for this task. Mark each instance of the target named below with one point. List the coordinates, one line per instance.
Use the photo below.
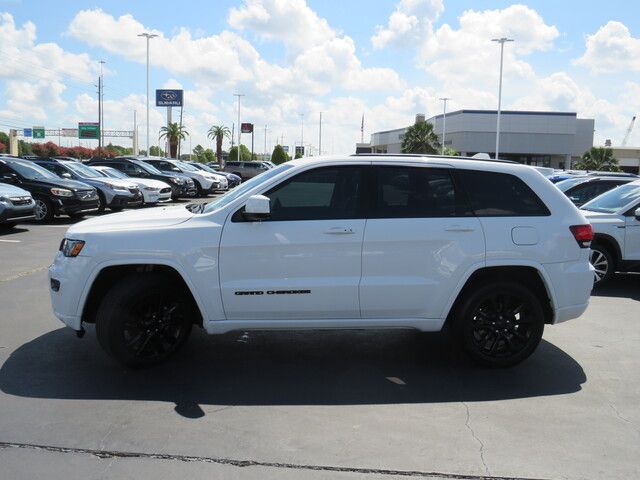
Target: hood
(132, 220)
(601, 217)
(63, 182)
(149, 182)
(7, 190)
(121, 182)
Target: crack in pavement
(23, 274)
(473, 434)
(114, 454)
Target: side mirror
(637, 214)
(65, 175)
(257, 208)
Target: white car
(615, 217)
(153, 191)
(205, 182)
(490, 249)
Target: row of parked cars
(38, 188)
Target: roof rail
(426, 155)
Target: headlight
(62, 192)
(3, 199)
(177, 181)
(71, 248)
(117, 187)
(151, 189)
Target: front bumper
(151, 196)
(126, 200)
(181, 191)
(67, 280)
(15, 213)
(71, 205)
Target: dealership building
(547, 139)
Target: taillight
(583, 234)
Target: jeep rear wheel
(143, 320)
(500, 324)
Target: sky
(292, 59)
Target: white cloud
(611, 49)
(410, 22)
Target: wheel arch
(611, 243)
(106, 275)
(529, 275)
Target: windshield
(614, 200)
(205, 168)
(565, 185)
(187, 167)
(147, 167)
(112, 172)
(82, 170)
(244, 187)
(31, 170)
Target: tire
(127, 323)
(116, 209)
(499, 324)
(603, 262)
(102, 202)
(43, 209)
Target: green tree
(451, 152)
(209, 156)
(598, 158)
(279, 155)
(155, 151)
(245, 154)
(198, 151)
(174, 133)
(420, 138)
(219, 133)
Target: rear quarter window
(494, 194)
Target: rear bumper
(572, 283)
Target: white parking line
(9, 241)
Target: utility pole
(233, 126)
(301, 133)
(148, 36)
(99, 116)
(252, 129)
(444, 122)
(101, 110)
(501, 41)
(265, 141)
(135, 133)
(239, 129)
(320, 136)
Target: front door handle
(339, 231)
(458, 228)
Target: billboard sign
(88, 130)
(38, 132)
(285, 148)
(299, 151)
(246, 128)
(27, 132)
(69, 132)
(169, 98)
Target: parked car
(16, 205)
(52, 195)
(181, 185)
(582, 189)
(232, 180)
(245, 170)
(615, 217)
(205, 182)
(114, 194)
(153, 191)
(489, 249)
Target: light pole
(302, 133)
(148, 36)
(444, 121)
(501, 41)
(239, 128)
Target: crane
(628, 132)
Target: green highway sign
(38, 132)
(88, 130)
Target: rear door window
(494, 194)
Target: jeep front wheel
(500, 324)
(143, 320)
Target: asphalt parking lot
(340, 405)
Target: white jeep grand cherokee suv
(491, 250)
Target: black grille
(135, 191)
(86, 194)
(165, 190)
(20, 200)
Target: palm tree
(598, 158)
(219, 132)
(420, 138)
(174, 133)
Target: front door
(632, 236)
(303, 262)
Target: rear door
(419, 241)
(305, 261)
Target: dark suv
(181, 185)
(53, 195)
(245, 170)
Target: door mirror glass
(257, 208)
(637, 214)
(65, 175)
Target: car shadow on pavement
(622, 285)
(285, 368)
(4, 231)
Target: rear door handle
(458, 228)
(340, 231)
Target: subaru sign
(168, 98)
